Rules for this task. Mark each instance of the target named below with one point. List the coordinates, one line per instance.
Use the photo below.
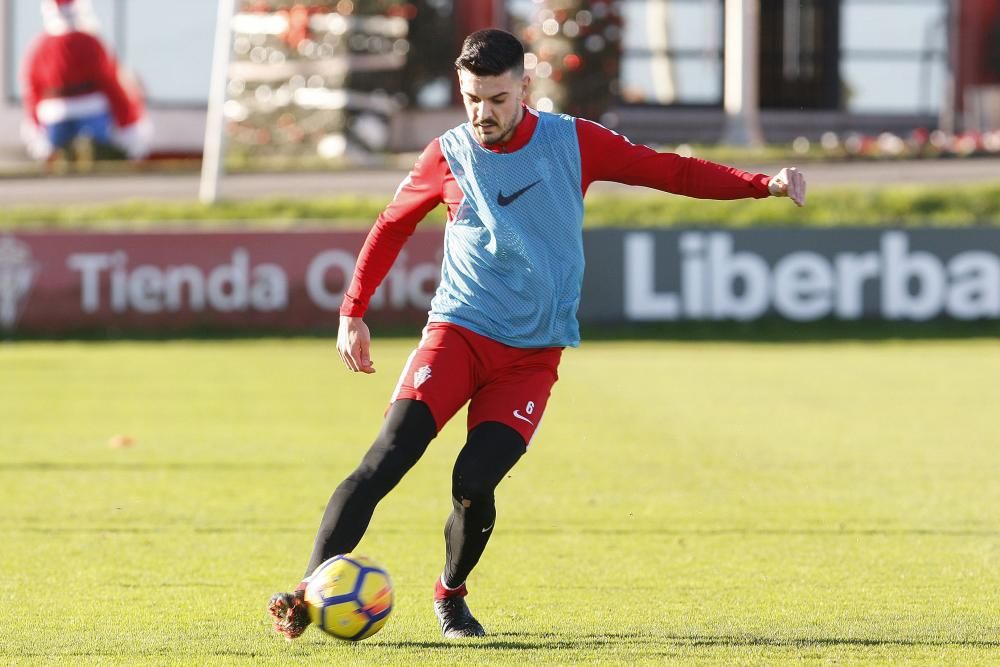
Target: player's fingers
(365, 364)
(343, 358)
(345, 355)
(778, 185)
(786, 182)
(797, 188)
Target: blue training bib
(513, 254)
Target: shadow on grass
(693, 532)
(526, 641)
(547, 641)
(153, 466)
(242, 529)
(722, 532)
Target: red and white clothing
(69, 75)
(453, 364)
(604, 156)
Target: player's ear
(525, 82)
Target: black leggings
(490, 452)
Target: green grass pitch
(711, 503)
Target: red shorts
(504, 384)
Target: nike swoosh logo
(518, 415)
(489, 527)
(505, 200)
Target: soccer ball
(349, 596)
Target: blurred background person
(74, 88)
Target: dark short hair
(491, 52)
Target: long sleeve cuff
(759, 183)
(352, 308)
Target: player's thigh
(490, 452)
(518, 396)
(440, 372)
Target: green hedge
(903, 206)
(898, 206)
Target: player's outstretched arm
(789, 182)
(354, 344)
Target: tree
(574, 55)
(321, 77)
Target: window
(167, 45)
(672, 52)
(893, 55)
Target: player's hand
(354, 344)
(789, 182)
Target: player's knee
(470, 490)
(474, 507)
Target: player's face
(493, 103)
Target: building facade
(864, 65)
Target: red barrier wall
(52, 283)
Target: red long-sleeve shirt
(604, 156)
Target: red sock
(442, 593)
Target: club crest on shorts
(421, 375)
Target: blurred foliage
(899, 206)
(902, 206)
(574, 55)
(318, 78)
(347, 211)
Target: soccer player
(513, 180)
